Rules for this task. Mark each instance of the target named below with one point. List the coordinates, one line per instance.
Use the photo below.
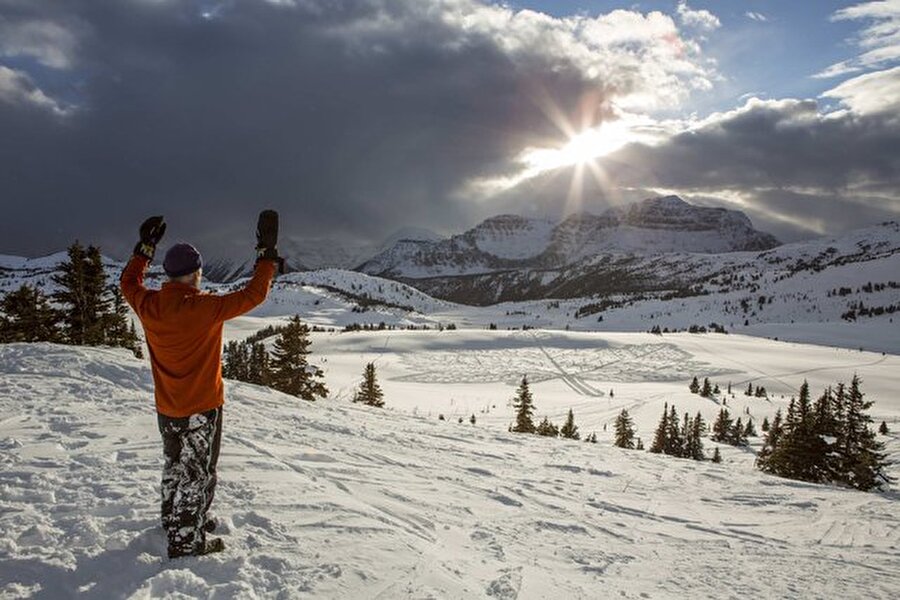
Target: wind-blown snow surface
(331, 500)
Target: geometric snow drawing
(579, 368)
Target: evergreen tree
(862, 457)
(569, 430)
(258, 364)
(524, 405)
(717, 456)
(119, 329)
(749, 430)
(291, 372)
(547, 429)
(765, 425)
(716, 390)
(235, 361)
(722, 427)
(695, 386)
(706, 392)
(624, 430)
(769, 457)
(883, 428)
(100, 300)
(472, 419)
(694, 443)
(639, 445)
(26, 316)
(749, 391)
(661, 436)
(87, 300)
(729, 388)
(369, 391)
(736, 435)
(673, 435)
(71, 281)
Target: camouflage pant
(191, 450)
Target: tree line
(826, 441)
(84, 309)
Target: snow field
(339, 501)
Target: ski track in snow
(332, 500)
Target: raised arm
(254, 293)
(229, 306)
(132, 280)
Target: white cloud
(756, 16)
(642, 59)
(49, 43)
(17, 88)
(701, 19)
(879, 40)
(872, 93)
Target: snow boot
(211, 546)
(210, 524)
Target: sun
(582, 148)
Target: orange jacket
(183, 327)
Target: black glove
(152, 231)
(267, 238)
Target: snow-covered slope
(331, 500)
(654, 226)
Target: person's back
(183, 330)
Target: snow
(334, 500)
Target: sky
(359, 117)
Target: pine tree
(749, 430)
(291, 372)
(624, 430)
(569, 430)
(369, 391)
(749, 391)
(729, 388)
(97, 294)
(717, 456)
(675, 441)
(472, 419)
(71, 293)
(639, 445)
(706, 392)
(769, 456)
(722, 427)
(716, 390)
(883, 428)
(119, 328)
(765, 425)
(695, 386)
(694, 443)
(547, 429)
(87, 312)
(660, 437)
(685, 434)
(524, 405)
(862, 464)
(736, 435)
(26, 316)
(258, 364)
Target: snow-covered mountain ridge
(655, 226)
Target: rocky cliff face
(655, 226)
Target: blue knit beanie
(182, 259)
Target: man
(183, 328)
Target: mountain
(655, 226)
(304, 253)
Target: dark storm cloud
(348, 117)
